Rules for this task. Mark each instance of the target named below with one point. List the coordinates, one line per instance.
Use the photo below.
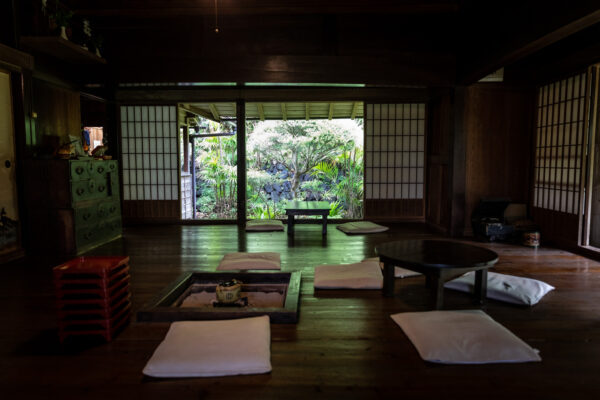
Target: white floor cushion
(361, 227)
(264, 225)
(264, 260)
(363, 275)
(399, 272)
(463, 337)
(213, 348)
(508, 288)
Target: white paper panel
(394, 148)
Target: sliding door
(150, 166)
(395, 161)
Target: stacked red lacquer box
(93, 296)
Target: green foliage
(344, 177)
(329, 151)
(217, 172)
(299, 145)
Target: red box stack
(93, 296)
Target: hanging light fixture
(216, 17)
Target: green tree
(300, 145)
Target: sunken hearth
(193, 297)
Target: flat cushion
(507, 288)
(463, 337)
(213, 348)
(399, 272)
(361, 227)
(261, 260)
(264, 225)
(363, 275)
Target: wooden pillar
(186, 147)
(241, 162)
(458, 162)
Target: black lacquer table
(293, 208)
(440, 261)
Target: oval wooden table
(440, 261)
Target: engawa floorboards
(344, 346)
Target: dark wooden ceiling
(399, 42)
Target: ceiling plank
(175, 8)
(283, 112)
(330, 111)
(198, 111)
(215, 112)
(527, 42)
(354, 110)
(261, 111)
(307, 111)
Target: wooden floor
(345, 345)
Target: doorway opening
(307, 152)
(209, 171)
(310, 151)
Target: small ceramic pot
(229, 292)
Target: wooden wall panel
(499, 126)
(58, 115)
(394, 209)
(557, 228)
(151, 210)
(437, 206)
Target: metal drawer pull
(79, 170)
(101, 188)
(80, 191)
(100, 170)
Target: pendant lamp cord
(216, 17)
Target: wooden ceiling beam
(330, 111)
(261, 111)
(185, 8)
(307, 111)
(215, 112)
(525, 39)
(283, 112)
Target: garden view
(286, 160)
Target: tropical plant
(344, 178)
(257, 181)
(299, 145)
(217, 173)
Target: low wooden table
(293, 208)
(440, 261)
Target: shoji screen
(559, 145)
(394, 160)
(561, 126)
(149, 147)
